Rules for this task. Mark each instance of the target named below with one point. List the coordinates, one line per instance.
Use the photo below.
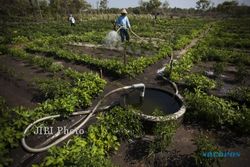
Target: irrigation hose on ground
(83, 121)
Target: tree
(104, 4)
(150, 5)
(165, 4)
(143, 5)
(153, 4)
(203, 4)
(228, 6)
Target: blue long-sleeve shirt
(123, 21)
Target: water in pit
(153, 99)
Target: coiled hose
(83, 121)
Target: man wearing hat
(123, 23)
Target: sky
(172, 3)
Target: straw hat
(124, 11)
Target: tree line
(58, 8)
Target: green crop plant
(52, 88)
(180, 67)
(61, 97)
(199, 81)
(128, 126)
(134, 67)
(182, 42)
(244, 124)
(13, 121)
(101, 139)
(241, 94)
(78, 152)
(241, 73)
(164, 132)
(219, 68)
(20, 40)
(45, 63)
(204, 145)
(211, 110)
(64, 105)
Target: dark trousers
(124, 35)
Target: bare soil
(227, 80)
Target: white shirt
(72, 19)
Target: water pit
(171, 105)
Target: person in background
(123, 23)
(72, 20)
(156, 15)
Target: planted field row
(202, 106)
(132, 68)
(230, 34)
(73, 90)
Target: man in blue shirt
(123, 23)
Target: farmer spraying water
(124, 25)
(120, 32)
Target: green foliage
(203, 146)
(200, 82)
(211, 110)
(180, 67)
(78, 152)
(53, 88)
(45, 63)
(13, 121)
(164, 132)
(219, 68)
(244, 124)
(63, 105)
(182, 42)
(241, 94)
(224, 55)
(20, 40)
(124, 123)
(55, 67)
(134, 67)
(62, 97)
(101, 139)
(151, 5)
(87, 82)
(70, 94)
(242, 72)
